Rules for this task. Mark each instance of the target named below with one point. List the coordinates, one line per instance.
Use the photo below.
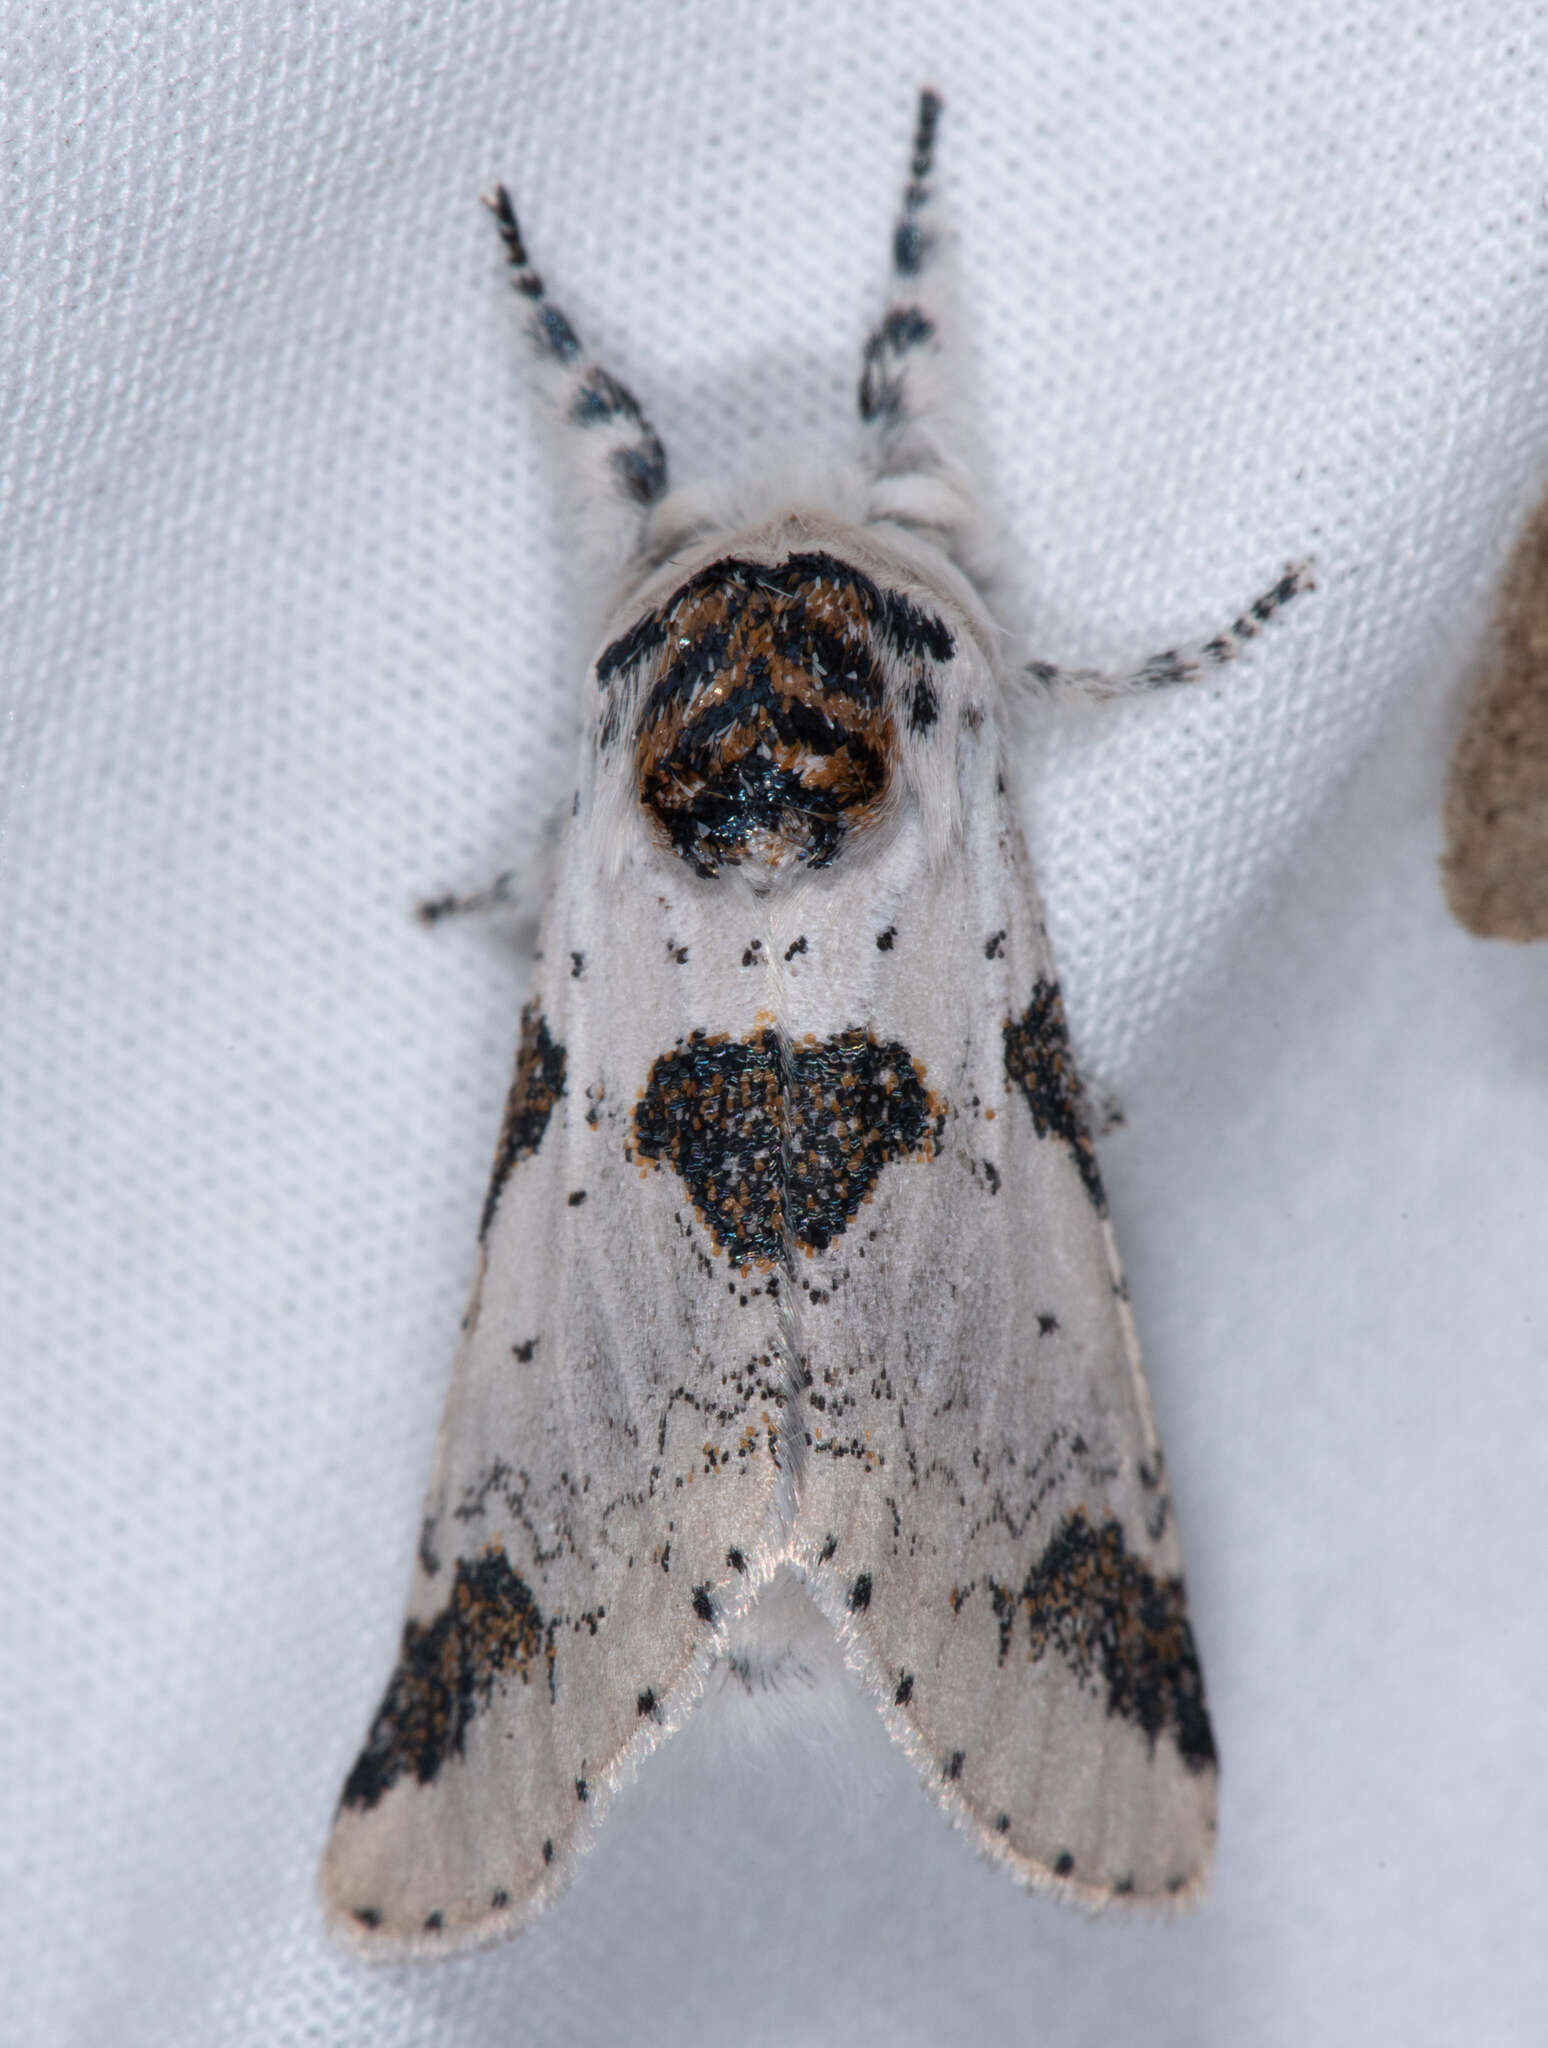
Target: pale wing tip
(373, 1909)
(1181, 1890)
(1165, 1869)
(1141, 1832)
(365, 1918)
(384, 1878)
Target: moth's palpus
(795, 1281)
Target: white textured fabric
(285, 645)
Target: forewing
(982, 1507)
(607, 1484)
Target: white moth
(795, 1283)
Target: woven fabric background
(287, 642)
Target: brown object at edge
(1495, 865)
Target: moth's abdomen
(766, 733)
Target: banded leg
(499, 894)
(621, 467)
(890, 374)
(1175, 664)
(918, 478)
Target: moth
(794, 1282)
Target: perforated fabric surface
(288, 640)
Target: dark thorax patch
(765, 735)
(537, 1086)
(1039, 1062)
(780, 1146)
(1116, 1624)
(490, 1629)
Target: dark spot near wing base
(537, 1086)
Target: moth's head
(932, 505)
(769, 698)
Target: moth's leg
(1175, 664)
(917, 478)
(619, 465)
(505, 890)
(522, 889)
(896, 390)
